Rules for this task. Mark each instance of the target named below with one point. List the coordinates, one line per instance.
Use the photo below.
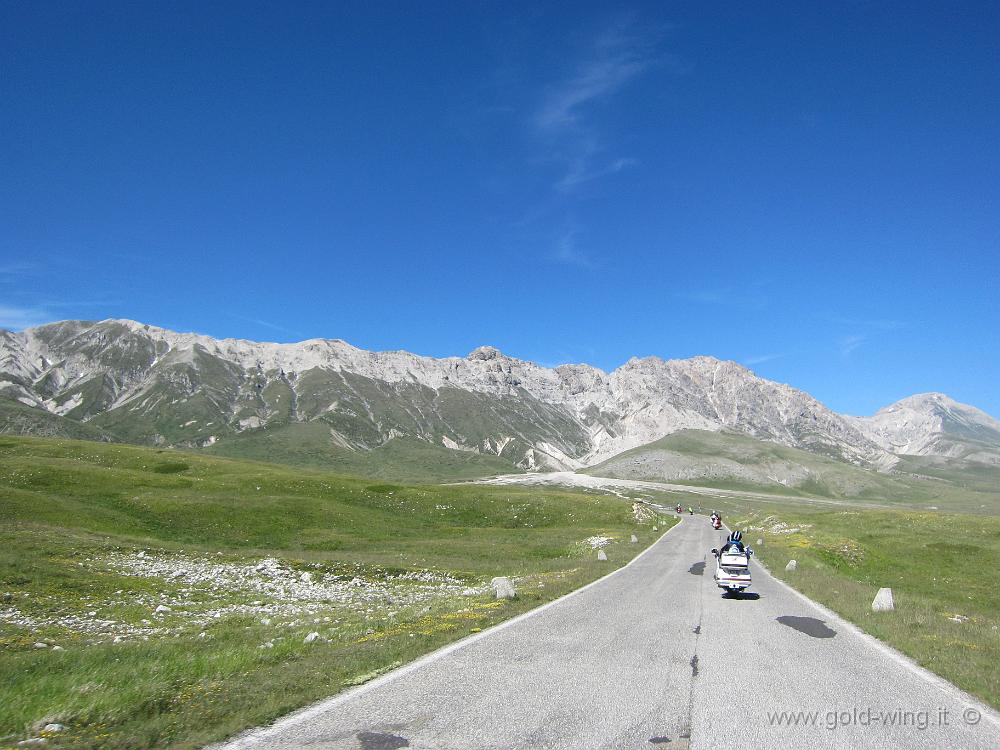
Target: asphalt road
(652, 657)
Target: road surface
(652, 657)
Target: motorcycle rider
(734, 544)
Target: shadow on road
(808, 625)
(751, 596)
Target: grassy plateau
(159, 599)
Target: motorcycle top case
(733, 561)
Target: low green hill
(734, 461)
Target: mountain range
(325, 402)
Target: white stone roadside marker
(634, 539)
(792, 565)
(883, 601)
(503, 587)
(602, 556)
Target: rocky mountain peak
(187, 389)
(486, 353)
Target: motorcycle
(732, 569)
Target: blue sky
(811, 191)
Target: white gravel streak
(199, 591)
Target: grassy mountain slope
(732, 461)
(248, 559)
(400, 459)
(18, 419)
(969, 475)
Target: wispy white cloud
(751, 297)
(616, 58)
(567, 251)
(761, 359)
(265, 324)
(16, 318)
(18, 269)
(580, 171)
(877, 324)
(565, 129)
(848, 344)
(564, 119)
(860, 331)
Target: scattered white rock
(602, 556)
(959, 619)
(34, 741)
(54, 728)
(503, 587)
(160, 609)
(265, 621)
(760, 542)
(269, 644)
(792, 565)
(883, 601)
(41, 644)
(58, 648)
(306, 578)
(313, 636)
(656, 528)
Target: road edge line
(251, 737)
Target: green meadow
(156, 598)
